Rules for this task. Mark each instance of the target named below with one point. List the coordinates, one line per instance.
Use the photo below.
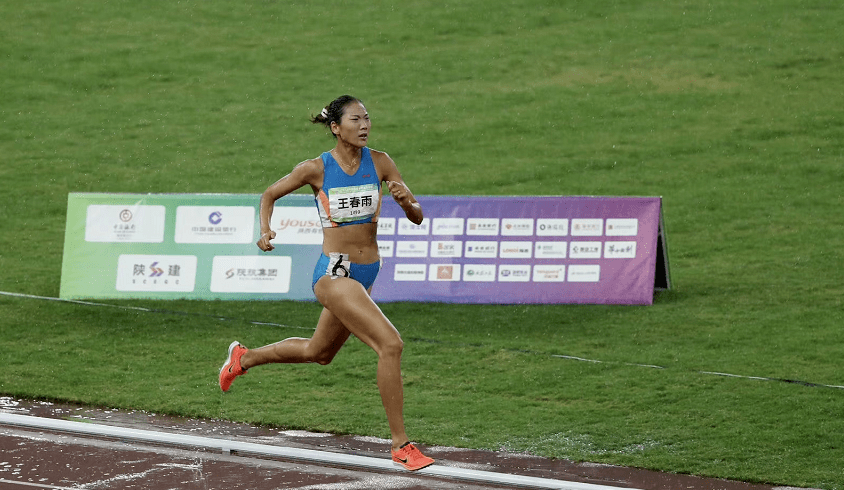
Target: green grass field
(730, 111)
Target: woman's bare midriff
(358, 241)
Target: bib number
(338, 265)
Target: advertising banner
(603, 250)
(186, 246)
(521, 250)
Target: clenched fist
(264, 242)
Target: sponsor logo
(253, 273)
(482, 226)
(446, 249)
(479, 272)
(516, 250)
(585, 250)
(409, 272)
(584, 273)
(297, 225)
(250, 274)
(481, 250)
(550, 250)
(622, 227)
(386, 226)
(620, 250)
(408, 228)
(156, 273)
(549, 273)
(291, 223)
(121, 223)
(516, 227)
(411, 249)
(552, 227)
(209, 224)
(444, 272)
(513, 273)
(447, 226)
(587, 227)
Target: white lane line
(227, 446)
(36, 485)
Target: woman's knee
(392, 347)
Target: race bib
(338, 265)
(353, 203)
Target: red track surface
(31, 459)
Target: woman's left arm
(389, 173)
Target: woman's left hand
(400, 192)
(405, 198)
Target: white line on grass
(558, 356)
(146, 310)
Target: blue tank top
(349, 199)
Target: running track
(47, 446)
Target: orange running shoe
(232, 368)
(410, 457)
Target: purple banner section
(520, 250)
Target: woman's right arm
(308, 172)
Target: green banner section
(190, 246)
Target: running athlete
(346, 183)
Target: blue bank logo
(215, 218)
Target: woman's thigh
(350, 303)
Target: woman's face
(354, 126)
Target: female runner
(346, 183)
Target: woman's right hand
(264, 242)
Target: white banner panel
(250, 274)
(620, 250)
(584, 273)
(214, 224)
(513, 273)
(444, 272)
(446, 249)
(516, 227)
(552, 227)
(447, 226)
(550, 250)
(622, 227)
(156, 273)
(479, 272)
(516, 250)
(482, 226)
(549, 273)
(587, 227)
(133, 223)
(409, 272)
(405, 227)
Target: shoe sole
(402, 466)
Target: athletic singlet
(349, 199)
